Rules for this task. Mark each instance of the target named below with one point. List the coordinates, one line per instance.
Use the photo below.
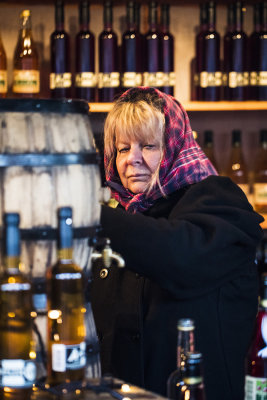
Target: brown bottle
(3, 70)
(260, 176)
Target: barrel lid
(44, 105)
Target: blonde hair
(140, 120)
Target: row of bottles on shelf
(66, 331)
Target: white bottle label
(17, 373)
(255, 388)
(68, 357)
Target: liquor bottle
(26, 71)
(208, 147)
(66, 310)
(194, 388)
(185, 344)
(167, 46)
(60, 75)
(109, 76)
(236, 168)
(236, 75)
(3, 70)
(17, 348)
(256, 360)
(208, 59)
(260, 175)
(131, 51)
(85, 78)
(153, 75)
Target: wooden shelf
(201, 106)
(264, 223)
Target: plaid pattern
(183, 162)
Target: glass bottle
(85, 78)
(17, 347)
(66, 310)
(26, 70)
(260, 175)
(153, 75)
(131, 51)
(109, 76)
(185, 344)
(256, 360)
(236, 68)
(209, 148)
(208, 59)
(60, 74)
(3, 70)
(167, 46)
(194, 388)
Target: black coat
(189, 256)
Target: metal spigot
(107, 255)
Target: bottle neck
(211, 15)
(84, 16)
(108, 16)
(11, 243)
(153, 16)
(65, 239)
(185, 343)
(230, 18)
(65, 254)
(264, 16)
(130, 17)
(238, 17)
(26, 26)
(165, 18)
(59, 16)
(257, 18)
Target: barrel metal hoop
(48, 159)
(49, 233)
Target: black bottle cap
(84, 13)
(65, 234)
(11, 234)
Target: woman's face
(136, 162)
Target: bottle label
(3, 81)
(108, 80)
(255, 388)
(86, 79)
(153, 79)
(208, 79)
(260, 193)
(169, 79)
(131, 79)
(15, 287)
(258, 78)
(68, 357)
(26, 81)
(236, 79)
(60, 81)
(263, 78)
(17, 373)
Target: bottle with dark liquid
(131, 51)
(60, 76)
(236, 75)
(185, 344)
(260, 175)
(26, 71)
(167, 46)
(256, 360)
(66, 310)
(209, 148)
(17, 348)
(109, 76)
(208, 58)
(194, 388)
(85, 78)
(153, 75)
(3, 70)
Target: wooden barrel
(48, 160)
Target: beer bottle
(194, 388)
(3, 70)
(26, 71)
(185, 344)
(260, 175)
(17, 348)
(66, 310)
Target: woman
(188, 238)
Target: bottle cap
(185, 324)
(25, 13)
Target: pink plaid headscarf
(183, 162)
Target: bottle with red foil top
(60, 76)
(109, 76)
(167, 51)
(85, 77)
(256, 361)
(153, 75)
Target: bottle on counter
(85, 77)
(208, 69)
(26, 69)
(132, 66)
(185, 344)
(17, 347)
(109, 76)
(167, 46)
(66, 310)
(208, 147)
(153, 75)
(60, 74)
(256, 360)
(260, 175)
(194, 388)
(3, 70)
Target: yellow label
(169, 78)
(108, 80)
(254, 78)
(3, 81)
(26, 81)
(263, 78)
(237, 79)
(86, 79)
(260, 193)
(210, 79)
(60, 81)
(131, 79)
(225, 79)
(153, 79)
